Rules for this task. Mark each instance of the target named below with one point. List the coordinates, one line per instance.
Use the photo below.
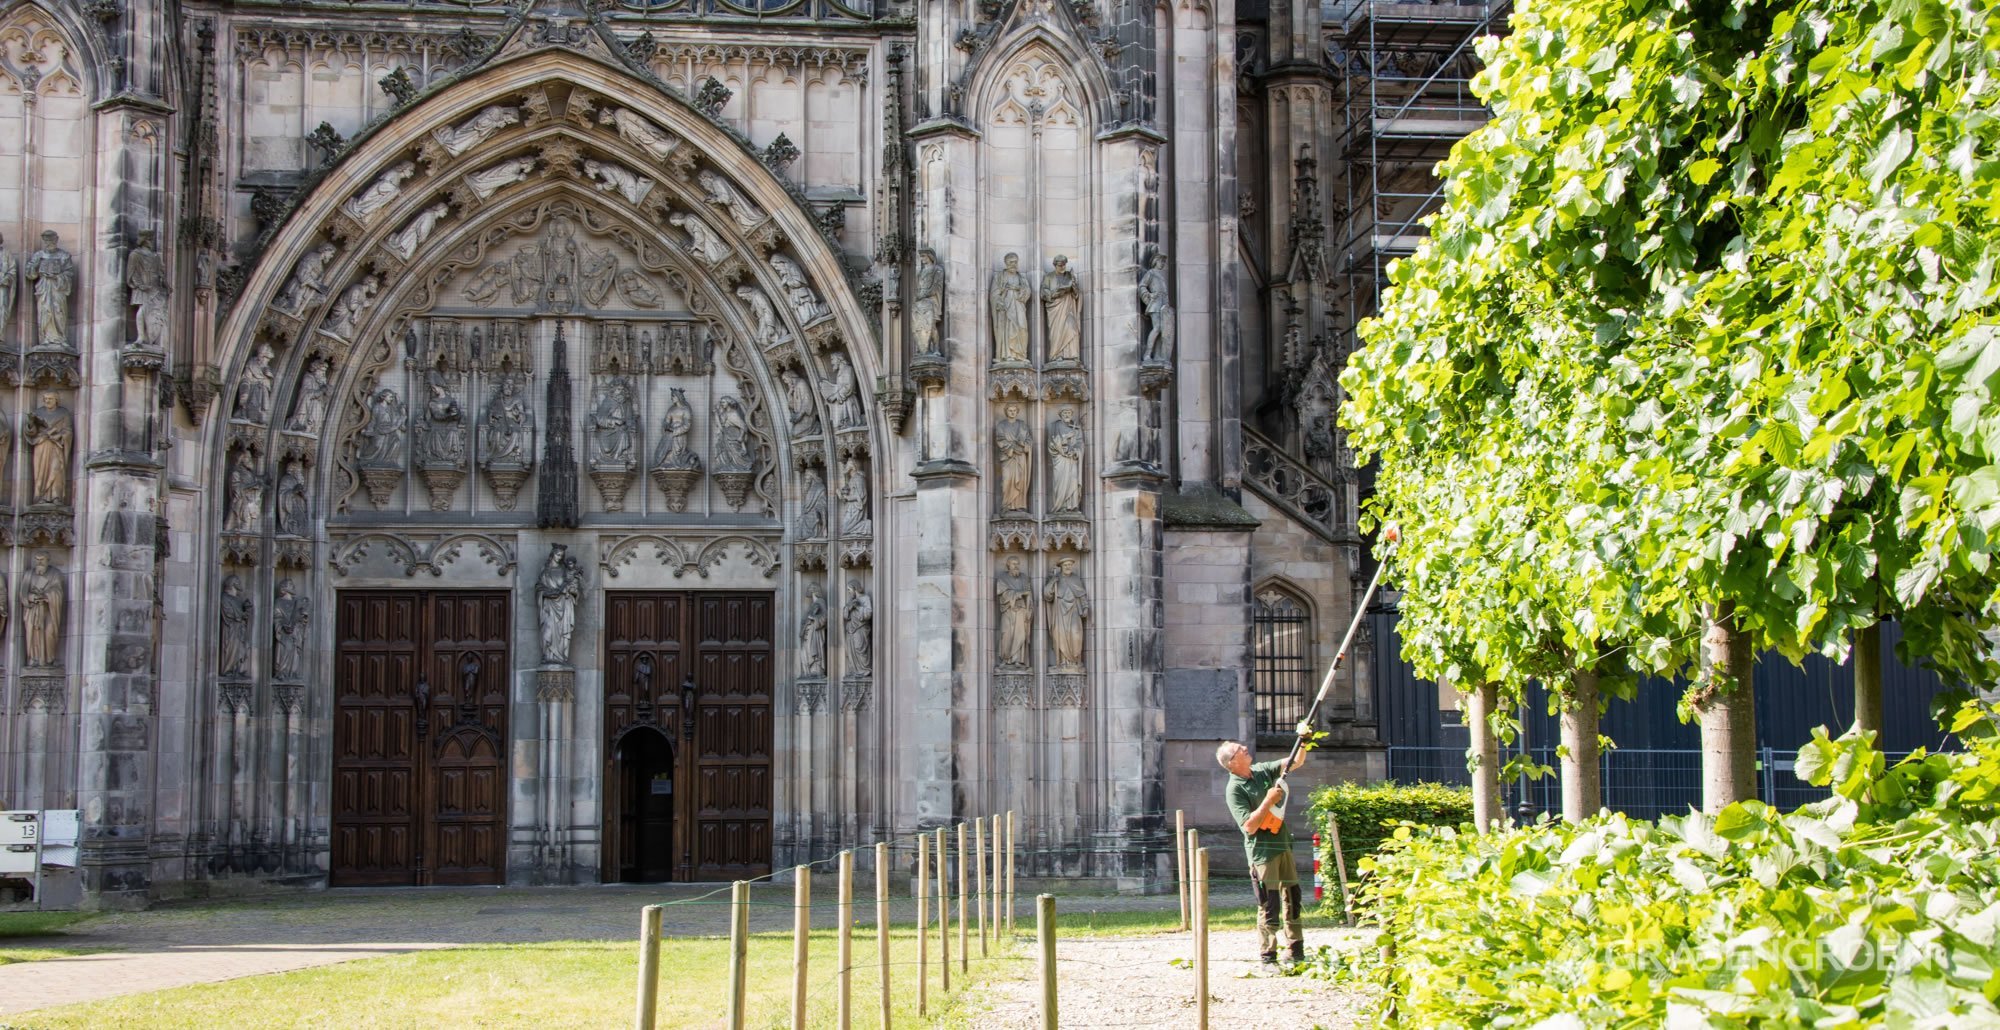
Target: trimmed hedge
(1368, 814)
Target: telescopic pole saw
(1353, 627)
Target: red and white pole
(1319, 891)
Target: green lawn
(17, 925)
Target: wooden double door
(420, 738)
(688, 736)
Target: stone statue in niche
(458, 139)
(405, 241)
(315, 390)
(147, 290)
(382, 436)
(1065, 464)
(1009, 301)
(858, 618)
(253, 393)
(510, 425)
(443, 434)
(1068, 600)
(614, 424)
(1062, 299)
(806, 306)
(308, 283)
(927, 303)
(50, 433)
(52, 275)
(556, 593)
(238, 611)
(1016, 596)
(10, 279)
(616, 178)
(1153, 295)
(723, 194)
(294, 510)
(379, 193)
(676, 430)
(639, 132)
(246, 494)
(732, 437)
(843, 393)
(770, 331)
(43, 593)
(703, 243)
(799, 400)
(290, 615)
(812, 632)
(854, 518)
(488, 181)
(1014, 453)
(349, 308)
(812, 514)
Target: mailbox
(20, 843)
(60, 833)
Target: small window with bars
(1281, 676)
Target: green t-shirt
(1245, 795)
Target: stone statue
(457, 140)
(854, 517)
(382, 437)
(842, 393)
(253, 392)
(379, 193)
(556, 593)
(614, 424)
(289, 618)
(50, 433)
(405, 241)
(770, 331)
(1014, 450)
(799, 399)
(488, 181)
(1062, 299)
(676, 428)
(10, 279)
(639, 132)
(237, 613)
(308, 283)
(858, 616)
(613, 177)
(444, 432)
(348, 309)
(42, 595)
(1159, 307)
(1069, 608)
(732, 437)
(703, 243)
(1065, 463)
(52, 275)
(4, 610)
(147, 289)
(927, 304)
(812, 632)
(294, 510)
(1016, 595)
(246, 494)
(1009, 301)
(510, 425)
(315, 390)
(812, 514)
(806, 306)
(723, 194)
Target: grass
(19, 925)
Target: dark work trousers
(1283, 888)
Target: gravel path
(1135, 981)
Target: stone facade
(926, 324)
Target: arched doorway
(642, 798)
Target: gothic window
(1281, 675)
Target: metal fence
(1644, 784)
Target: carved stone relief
(1065, 443)
(857, 618)
(927, 304)
(377, 195)
(806, 305)
(855, 519)
(147, 290)
(842, 393)
(458, 139)
(1062, 300)
(43, 594)
(557, 590)
(291, 616)
(50, 433)
(238, 614)
(51, 274)
(812, 631)
(1008, 300)
(1156, 297)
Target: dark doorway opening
(645, 785)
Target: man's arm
(1258, 819)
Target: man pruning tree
(1256, 796)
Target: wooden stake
(997, 894)
(944, 913)
(1010, 872)
(1180, 861)
(846, 939)
(649, 966)
(1045, 936)
(964, 953)
(1188, 854)
(979, 877)
(923, 922)
(882, 922)
(739, 952)
(801, 941)
(1201, 939)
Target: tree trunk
(1486, 808)
(1728, 715)
(1867, 662)
(1582, 786)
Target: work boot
(1298, 956)
(1269, 958)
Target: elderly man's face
(1239, 761)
